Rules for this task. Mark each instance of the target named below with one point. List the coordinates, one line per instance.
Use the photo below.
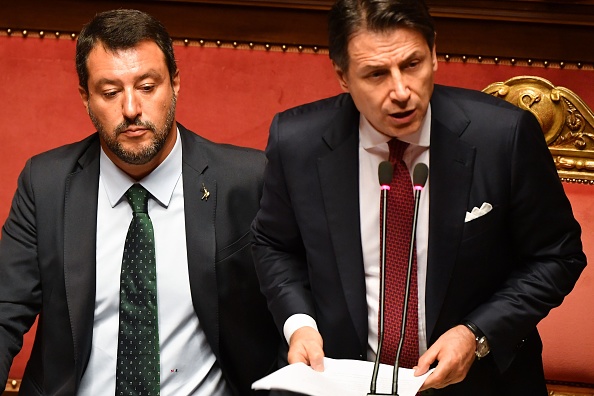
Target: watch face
(482, 347)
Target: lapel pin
(205, 193)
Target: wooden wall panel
(526, 29)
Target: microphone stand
(385, 172)
(382, 299)
(420, 174)
(407, 289)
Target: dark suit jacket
(503, 271)
(47, 263)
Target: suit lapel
(200, 237)
(450, 175)
(80, 229)
(339, 177)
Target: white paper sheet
(340, 377)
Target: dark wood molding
(529, 29)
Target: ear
(176, 82)
(84, 95)
(342, 77)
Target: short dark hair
(348, 16)
(119, 30)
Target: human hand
(454, 351)
(306, 346)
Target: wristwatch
(482, 345)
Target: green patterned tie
(138, 368)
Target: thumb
(316, 360)
(425, 362)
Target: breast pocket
(474, 229)
(243, 243)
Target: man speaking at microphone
(497, 246)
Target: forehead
(146, 55)
(366, 45)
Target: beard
(145, 153)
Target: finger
(446, 373)
(316, 357)
(439, 378)
(306, 347)
(308, 353)
(297, 356)
(425, 361)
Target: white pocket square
(478, 212)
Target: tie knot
(397, 148)
(137, 197)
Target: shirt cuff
(295, 322)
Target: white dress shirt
(373, 149)
(188, 365)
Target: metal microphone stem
(407, 292)
(372, 391)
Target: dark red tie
(399, 227)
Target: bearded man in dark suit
(62, 251)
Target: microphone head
(420, 174)
(384, 172)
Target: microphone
(420, 174)
(384, 171)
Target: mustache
(122, 126)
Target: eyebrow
(150, 74)
(413, 55)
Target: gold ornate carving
(566, 390)
(567, 122)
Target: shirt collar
(160, 183)
(370, 137)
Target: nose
(131, 106)
(399, 92)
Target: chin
(410, 129)
(402, 132)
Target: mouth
(132, 130)
(402, 115)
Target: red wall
(231, 95)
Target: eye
(110, 94)
(376, 74)
(147, 88)
(413, 64)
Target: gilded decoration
(567, 122)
